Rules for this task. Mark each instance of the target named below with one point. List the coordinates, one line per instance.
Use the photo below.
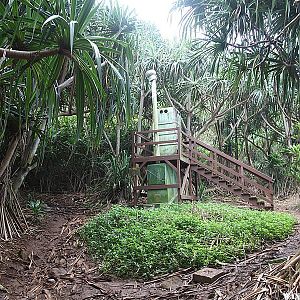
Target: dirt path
(51, 263)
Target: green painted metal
(168, 117)
(161, 174)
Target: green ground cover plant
(142, 243)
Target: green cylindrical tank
(157, 174)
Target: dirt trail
(51, 263)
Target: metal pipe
(152, 77)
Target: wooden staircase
(194, 160)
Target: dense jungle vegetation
(72, 80)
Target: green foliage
(71, 164)
(116, 182)
(253, 46)
(131, 242)
(285, 163)
(203, 195)
(36, 206)
(293, 154)
(31, 88)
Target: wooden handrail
(240, 185)
(212, 149)
(232, 172)
(157, 130)
(235, 161)
(142, 136)
(157, 143)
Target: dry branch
(282, 280)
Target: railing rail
(143, 143)
(232, 159)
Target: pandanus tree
(50, 66)
(257, 38)
(255, 45)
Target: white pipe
(151, 75)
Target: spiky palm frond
(45, 45)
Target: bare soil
(50, 262)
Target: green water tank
(157, 174)
(168, 117)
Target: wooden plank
(184, 181)
(155, 187)
(171, 165)
(138, 159)
(157, 130)
(156, 143)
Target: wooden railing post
(214, 161)
(179, 142)
(133, 143)
(242, 175)
(270, 186)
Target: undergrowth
(142, 243)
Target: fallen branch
(282, 280)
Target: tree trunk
(118, 139)
(9, 153)
(26, 164)
(12, 221)
(236, 140)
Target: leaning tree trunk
(12, 220)
(9, 207)
(9, 153)
(27, 162)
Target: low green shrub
(131, 242)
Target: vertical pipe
(151, 75)
(142, 98)
(178, 165)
